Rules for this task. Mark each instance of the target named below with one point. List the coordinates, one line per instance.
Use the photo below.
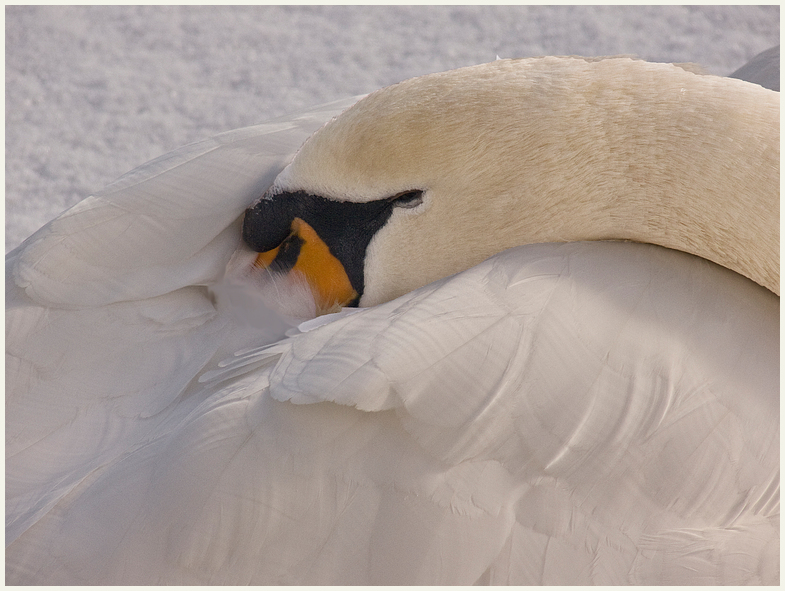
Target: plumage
(549, 150)
(580, 412)
(126, 263)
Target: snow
(94, 91)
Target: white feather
(577, 413)
(600, 413)
(105, 321)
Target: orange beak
(325, 274)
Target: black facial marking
(268, 223)
(347, 228)
(287, 255)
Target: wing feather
(106, 321)
(166, 225)
(565, 413)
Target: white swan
(550, 149)
(562, 413)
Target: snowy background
(92, 92)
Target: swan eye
(408, 199)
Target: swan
(495, 393)
(581, 150)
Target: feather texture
(589, 412)
(106, 323)
(577, 413)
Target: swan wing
(167, 224)
(575, 413)
(107, 316)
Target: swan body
(551, 424)
(584, 412)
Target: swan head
(433, 175)
(363, 196)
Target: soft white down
(575, 413)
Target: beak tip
(309, 256)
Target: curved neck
(557, 149)
(688, 162)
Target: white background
(92, 92)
